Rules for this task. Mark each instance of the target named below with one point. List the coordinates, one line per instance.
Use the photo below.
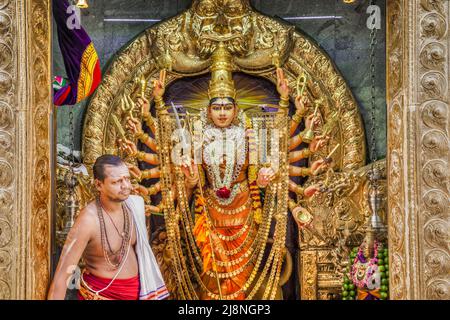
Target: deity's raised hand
(159, 86)
(134, 125)
(318, 143)
(191, 174)
(302, 103)
(302, 216)
(265, 176)
(319, 166)
(312, 121)
(311, 191)
(128, 147)
(282, 84)
(144, 105)
(134, 171)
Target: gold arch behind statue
(171, 44)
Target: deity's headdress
(221, 84)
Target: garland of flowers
(353, 284)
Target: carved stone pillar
(418, 43)
(25, 143)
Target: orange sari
(234, 230)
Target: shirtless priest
(111, 235)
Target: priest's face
(222, 111)
(116, 185)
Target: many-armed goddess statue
(212, 198)
(220, 171)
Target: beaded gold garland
(187, 262)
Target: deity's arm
(295, 156)
(150, 122)
(153, 173)
(148, 191)
(296, 140)
(150, 158)
(295, 171)
(296, 120)
(147, 140)
(297, 189)
(191, 179)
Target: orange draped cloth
(120, 289)
(229, 226)
(364, 294)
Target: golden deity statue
(213, 202)
(222, 167)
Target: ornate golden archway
(25, 148)
(296, 53)
(418, 129)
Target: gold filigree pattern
(433, 128)
(395, 27)
(24, 149)
(8, 133)
(418, 197)
(40, 61)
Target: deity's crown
(221, 84)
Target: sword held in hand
(186, 158)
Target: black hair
(102, 162)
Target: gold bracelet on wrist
(139, 135)
(140, 155)
(145, 174)
(152, 191)
(300, 192)
(292, 205)
(142, 136)
(284, 102)
(305, 172)
(305, 153)
(159, 103)
(148, 119)
(307, 135)
(297, 117)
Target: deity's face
(225, 21)
(116, 185)
(222, 111)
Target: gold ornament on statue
(221, 84)
(143, 86)
(82, 4)
(301, 84)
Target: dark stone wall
(345, 38)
